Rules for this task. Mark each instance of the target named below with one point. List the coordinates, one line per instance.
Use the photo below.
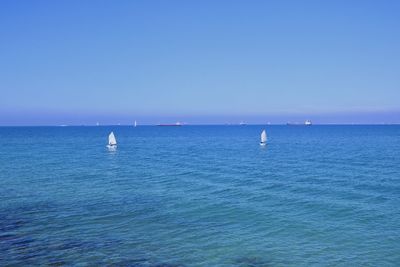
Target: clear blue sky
(79, 62)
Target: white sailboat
(263, 138)
(135, 124)
(112, 142)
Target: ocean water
(200, 196)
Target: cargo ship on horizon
(173, 124)
(306, 123)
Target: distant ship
(306, 123)
(174, 124)
(242, 123)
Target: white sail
(263, 137)
(111, 139)
(135, 124)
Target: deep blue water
(200, 196)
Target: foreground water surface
(200, 196)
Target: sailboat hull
(263, 143)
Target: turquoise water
(200, 196)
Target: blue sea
(200, 196)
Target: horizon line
(206, 124)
